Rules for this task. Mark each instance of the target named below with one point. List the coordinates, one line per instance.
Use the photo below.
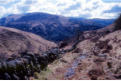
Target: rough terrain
(97, 56)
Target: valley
(86, 54)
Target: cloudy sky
(70, 8)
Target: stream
(71, 71)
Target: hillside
(15, 42)
(96, 56)
(52, 27)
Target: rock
(94, 74)
(16, 77)
(7, 76)
(11, 64)
(4, 65)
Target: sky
(105, 9)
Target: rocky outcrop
(24, 67)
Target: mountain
(52, 27)
(93, 55)
(14, 42)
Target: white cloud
(2, 9)
(6, 1)
(75, 8)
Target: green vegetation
(43, 74)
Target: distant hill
(52, 27)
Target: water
(71, 71)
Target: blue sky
(105, 9)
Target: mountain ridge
(52, 27)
